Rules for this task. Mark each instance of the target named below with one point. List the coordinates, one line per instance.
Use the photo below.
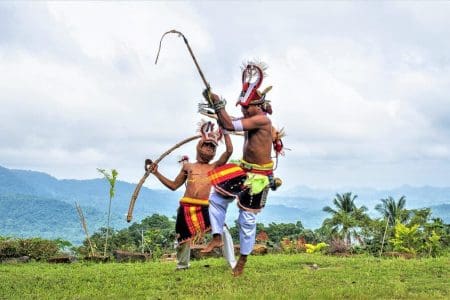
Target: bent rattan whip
(147, 173)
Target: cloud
(362, 90)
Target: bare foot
(216, 242)
(239, 268)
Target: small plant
(338, 246)
(406, 239)
(112, 182)
(433, 244)
(310, 248)
(287, 246)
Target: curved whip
(190, 51)
(147, 173)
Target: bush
(316, 248)
(433, 245)
(9, 248)
(287, 246)
(338, 246)
(406, 239)
(36, 248)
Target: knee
(247, 223)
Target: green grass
(265, 277)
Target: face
(206, 151)
(250, 110)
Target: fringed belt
(264, 169)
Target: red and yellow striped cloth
(224, 173)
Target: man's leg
(247, 235)
(228, 247)
(217, 212)
(183, 255)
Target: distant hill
(28, 216)
(10, 184)
(416, 197)
(441, 211)
(37, 204)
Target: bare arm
(257, 121)
(228, 151)
(224, 118)
(250, 123)
(171, 184)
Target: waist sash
(187, 200)
(228, 179)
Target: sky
(362, 88)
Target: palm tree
(392, 210)
(347, 217)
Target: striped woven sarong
(192, 220)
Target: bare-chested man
(250, 179)
(192, 217)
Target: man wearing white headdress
(248, 180)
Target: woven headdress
(206, 129)
(252, 76)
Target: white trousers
(184, 251)
(183, 255)
(218, 206)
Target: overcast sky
(361, 88)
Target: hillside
(28, 216)
(37, 204)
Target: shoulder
(187, 166)
(261, 119)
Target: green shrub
(287, 246)
(406, 239)
(36, 248)
(433, 244)
(310, 248)
(9, 248)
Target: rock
(97, 258)
(62, 260)
(259, 249)
(197, 254)
(125, 256)
(169, 257)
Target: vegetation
(392, 210)
(299, 276)
(349, 230)
(35, 248)
(346, 218)
(299, 270)
(111, 178)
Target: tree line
(348, 229)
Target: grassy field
(299, 276)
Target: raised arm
(170, 184)
(243, 124)
(228, 151)
(224, 118)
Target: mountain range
(37, 204)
